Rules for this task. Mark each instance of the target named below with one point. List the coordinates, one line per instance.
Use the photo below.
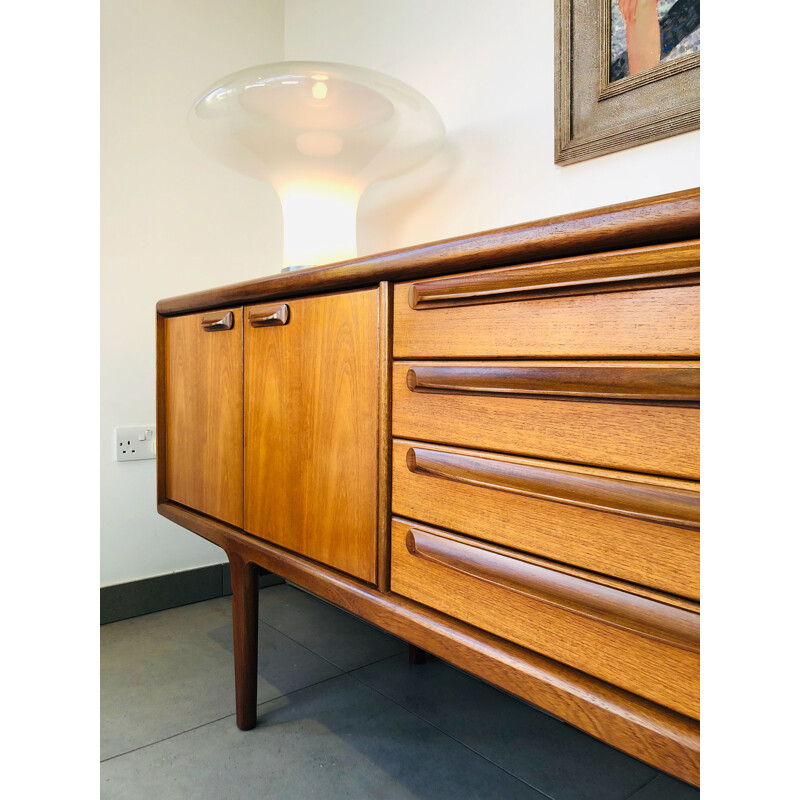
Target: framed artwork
(626, 72)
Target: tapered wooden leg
(416, 655)
(244, 582)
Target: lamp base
(296, 267)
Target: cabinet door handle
(264, 316)
(218, 321)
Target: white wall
(172, 221)
(488, 68)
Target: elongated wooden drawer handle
(660, 621)
(622, 382)
(265, 316)
(651, 502)
(218, 321)
(668, 265)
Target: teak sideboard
(487, 446)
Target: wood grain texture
(575, 586)
(636, 381)
(658, 439)
(634, 549)
(244, 608)
(203, 416)
(670, 264)
(311, 431)
(665, 674)
(645, 730)
(650, 323)
(613, 493)
(566, 590)
(653, 220)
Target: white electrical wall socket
(134, 442)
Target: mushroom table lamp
(320, 134)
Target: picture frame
(595, 114)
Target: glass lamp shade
(320, 134)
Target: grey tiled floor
(341, 715)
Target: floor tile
(167, 672)
(554, 757)
(330, 632)
(336, 740)
(666, 788)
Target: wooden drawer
(642, 302)
(641, 644)
(639, 416)
(638, 528)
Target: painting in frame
(626, 72)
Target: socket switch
(134, 442)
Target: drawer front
(642, 302)
(642, 645)
(640, 529)
(638, 416)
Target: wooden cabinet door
(311, 428)
(203, 413)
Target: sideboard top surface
(653, 220)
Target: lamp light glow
(320, 134)
(319, 90)
(319, 222)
